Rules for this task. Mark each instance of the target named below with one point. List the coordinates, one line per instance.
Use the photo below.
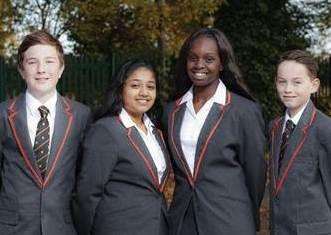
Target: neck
(203, 94)
(43, 98)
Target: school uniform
(120, 186)
(301, 185)
(220, 177)
(32, 204)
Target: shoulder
(245, 106)
(323, 126)
(77, 106)
(112, 125)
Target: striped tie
(41, 142)
(289, 127)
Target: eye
(151, 87)
(210, 60)
(50, 61)
(134, 85)
(31, 62)
(297, 82)
(192, 58)
(281, 81)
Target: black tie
(41, 142)
(289, 127)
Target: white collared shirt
(295, 119)
(33, 115)
(150, 141)
(192, 122)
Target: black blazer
(224, 193)
(301, 193)
(118, 191)
(30, 205)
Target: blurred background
(98, 35)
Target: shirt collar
(296, 117)
(127, 121)
(33, 104)
(218, 97)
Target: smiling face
(41, 70)
(203, 62)
(294, 85)
(139, 93)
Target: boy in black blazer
(40, 135)
(300, 152)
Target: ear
(316, 85)
(221, 68)
(61, 71)
(21, 72)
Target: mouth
(142, 101)
(200, 75)
(41, 79)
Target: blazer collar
(141, 149)
(62, 128)
(295, 144)
(212, 122)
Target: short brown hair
(35, 38)
(301, 57)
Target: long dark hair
(113, 101)
(230, 75)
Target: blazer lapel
(62, 129)
(18, 123)
(175, 123)
(276, 137)
(139, 146)
(296, 142)
(213, 120)
(160, 140)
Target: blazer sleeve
(98, 161)
(324, 160)
(252, 155)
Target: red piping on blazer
(168, 165)
(212, 132)
(203, 151)
(143, 157)
(172, 121)
(280, 182)
(67, 110)
(12, 113)
(272, 134)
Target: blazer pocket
(319, 228)
(8, 217)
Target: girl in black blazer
(125, 162)
(216, 137)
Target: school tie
(41, 142)
(289, 127)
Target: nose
(41, 67)
(143, 90)
(288, 88)
(199, 64)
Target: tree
(131, 26)
(39, 14)
(259, 32)
(6, 21)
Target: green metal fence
(84, 79)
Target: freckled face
(203, 62)
(294, 85)
(41, 69)
(139, 92)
